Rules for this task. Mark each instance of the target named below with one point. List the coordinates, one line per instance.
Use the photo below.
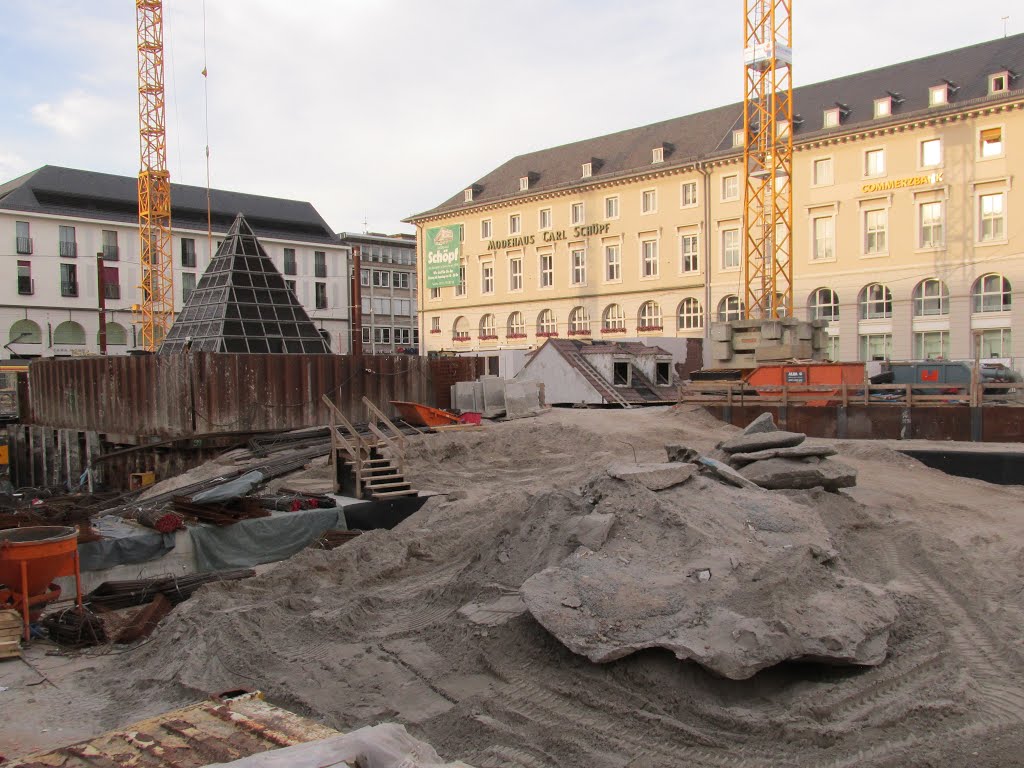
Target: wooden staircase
(376, 461)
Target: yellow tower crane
(157, 307)
(768, 158)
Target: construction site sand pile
(425, 625)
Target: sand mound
(424, 625)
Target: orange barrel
(48, 551)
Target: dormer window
(938, 95)
(999, 82)
(524, 183)
(832, 118)
(658, 155)
(588, 170)
(471, 192)
(883, 106)
(738, 138)
(782, 129)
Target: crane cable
(206, 110)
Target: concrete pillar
(961, 344)
(902, 322)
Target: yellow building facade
(906, 183)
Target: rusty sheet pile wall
(204, 393)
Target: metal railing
(67, 250)
(975, 393)
(26, 286)
(111, 253)
(24, 245)
(68, 289)
(320, 270)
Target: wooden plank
(10, 649)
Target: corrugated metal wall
(200, 393)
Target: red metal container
(423, 415)
(30, 559)
(799, 376)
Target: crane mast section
(768, 159)
(157, 307)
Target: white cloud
(74, 115)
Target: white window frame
(869, 303)
(580, 323)
(938, 95)
(1002, 218)
(738, 137)
(883, 107)
(921, 163)
(648, 202)
(513, 328)
(577, 213)
(588, 170)
(546, 270)
(816, 245)
(543, 326)
(1005, 342)
(515, 223)
(524, 183)
(612, 264)
(873, 152)
(815, 305)
(868, 232)
(922, 298)
(657, 155)
(435, 294)
(611, 203)
(515, 276)
(654, 320)
(689, 254)
(688, 194)
(435, 324)
(486, 229)
(864, 341)
(650, 268)
(578, 266)
(978, 297)
(993, 84)
(727, 181)
(692, 320)
(488, 330)
(461, 288)
(981, 145)
(487, 276)
(611, 321)
(726, 311)
(940, 241)
(831, 118)
(731, 231)
(541, 215)
(815, 181)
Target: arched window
(781, 305)
(69, 333)
(613, 319)
(487, 328)
(26, 332)
(875, 302)
(579, 322)
(516, 326)
(691, 315)
(931, 297)
(546, 323)
(649, 318)
(730, 308)
(823, 304)
(460, 330)
(117, 336)
(991, 294)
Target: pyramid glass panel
(242, 285)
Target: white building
(54, 221)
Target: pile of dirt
(425, 625)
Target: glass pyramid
(242, 304)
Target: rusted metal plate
(210, 732)
(202, 393)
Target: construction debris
(74, 627)
(145, 621)
(10, 634)
(113, 595)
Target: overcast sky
(378, 109)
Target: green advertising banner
(444, 253)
